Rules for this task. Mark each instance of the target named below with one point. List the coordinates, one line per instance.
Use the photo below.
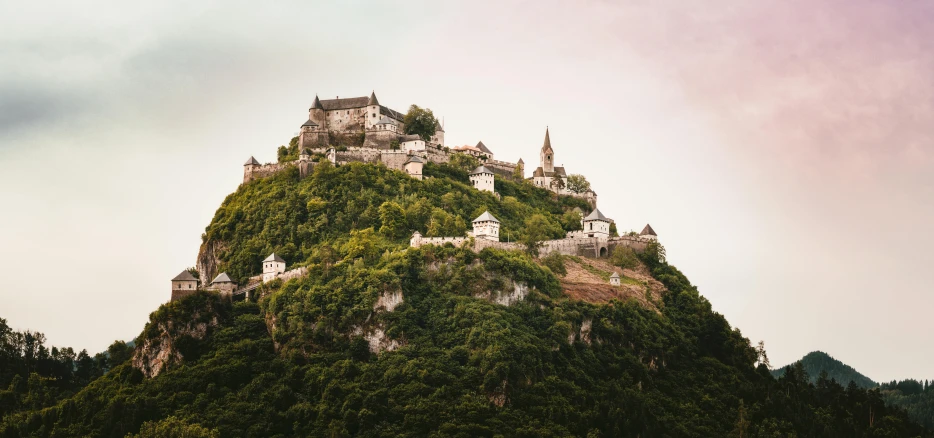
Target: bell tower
(547, 155)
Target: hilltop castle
(379, 132)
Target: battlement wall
(254, 172)
(501, 168)
(437, 241)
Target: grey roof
(414, 159)
(648, 231)
(316, 104)
(481, 169)
(251, 161)
(559, 172)
(274, 258)
(411, 137)
(486, 216)
(520, 161)
(596, 215)
(305, 151)
(615, 275)
(346, 103)
(438, 126)
(483, 148)
(547, 144)
(372, 100)
(222, 278)
(358, 102)
(385, 121)
(309, 123)
(185, 276)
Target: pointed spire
(372, 100)
(547, 144)
(316, 104)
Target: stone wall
(501, 168)
(394, 159)
(253, 172)
(438, 241)
(480, 244)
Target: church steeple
(547, 155)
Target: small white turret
(482, 179)
(596, 224)
(486, 227)
(272, 267)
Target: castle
(381, 128)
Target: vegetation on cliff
(384, 340)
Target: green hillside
(336, 353)
(817, 362)
(915, 397)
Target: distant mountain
(817, 361)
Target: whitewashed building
(614, 279)
(486, 227)
(272, 267)
(482, 179)
(413, 166)
(596, 224)
(223, 284)
(412, 143)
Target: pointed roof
(483, 148)
(309, 123)
(306, 152)
(615, 275)
(438, 127)
(413, 159)
(372, 100)
(274, 258)
(648, 231)
(385, 121)
(547, 145)
(481, 169)
(596, 215)
(316, 104)
(520, 161)
(251, 162)
(222, 278)
(486, 216)
(185, 276)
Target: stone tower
(316, 113)
(373, 115)
(547, 155)
(248, 168)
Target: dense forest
(915, 397)
(325, 355)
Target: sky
(783, 150)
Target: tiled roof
(547, 144)
(559, 173)
(648, 231)
(414, 159)
(222, 278)
(185, 276)
(309, 123)
(316, 104)
(346, 103)
(481, 169)
(385, 121)
(615, 275)
(274, 258)
(486, 216)
(251, 161)
(596, 215)
(483, 148)
(372, 100)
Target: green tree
(420, 121)
(578, 183)
(624, 257)
(555, 261)
(392, 217)
(535, 231)
(173, 427)
(119, 353)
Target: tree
(578, 183)
(761, 357)
(172, 427)
(392, 216)
(119, 353)
(420, 121)
(555, 261)
(536, 230)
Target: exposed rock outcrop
(157, 354)
(209, 258)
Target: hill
(817, 362)
(379, 339)
(915, 397)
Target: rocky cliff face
(209, 258)
(177, 330)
